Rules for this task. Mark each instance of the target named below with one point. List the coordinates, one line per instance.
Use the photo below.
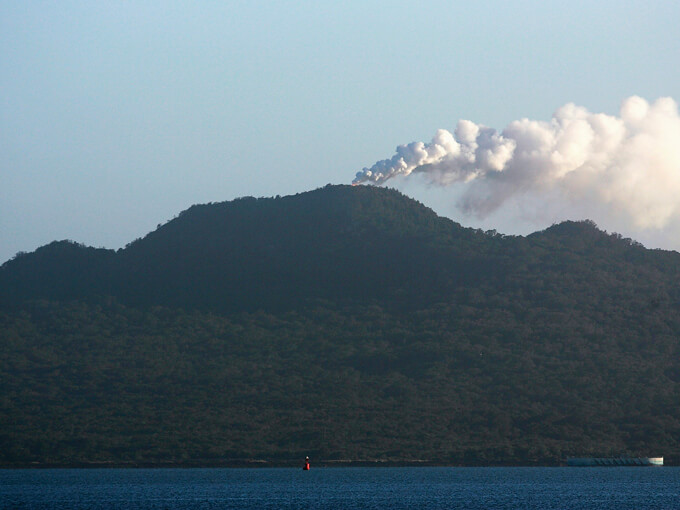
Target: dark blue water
(360, 488)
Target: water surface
(351, 488)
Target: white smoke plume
(627, 166)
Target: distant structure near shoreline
(615, 461)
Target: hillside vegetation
(342, 323)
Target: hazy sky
(116, 116)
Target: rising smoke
(627, 166)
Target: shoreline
(259, 463)
(255, 463)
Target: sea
(342, 488)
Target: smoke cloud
(627, 166)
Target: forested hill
(342, 323)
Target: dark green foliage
(344, 323)
(60, 270)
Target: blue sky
(116, 116)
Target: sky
(116, 116)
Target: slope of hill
(343, 323)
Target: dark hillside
(342, 323)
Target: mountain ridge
(196, 243)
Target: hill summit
(339, 243)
